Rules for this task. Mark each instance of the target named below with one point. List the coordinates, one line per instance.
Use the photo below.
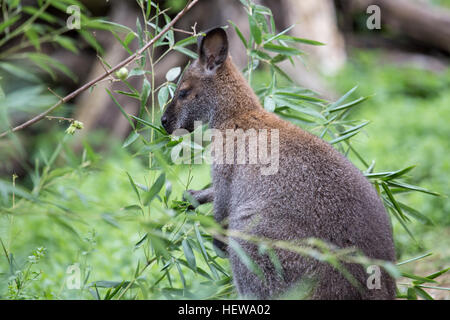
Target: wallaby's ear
(213, 49)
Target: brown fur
(316, 192)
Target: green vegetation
(117, 215)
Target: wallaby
(316, 192)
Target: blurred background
(402, 63)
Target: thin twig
(103, 76)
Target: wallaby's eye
(183, 93)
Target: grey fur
(316, 193)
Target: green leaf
(411, 294)
(433, 276)
(301, 97)
(32, 35)
(125, 114)
(42, 15)
(92, 41)
(145, 93)
(255, 30)
(411, 187)
(246, 259)
(142, 121)
(47, 63)
(343, 137)
(301, 40)
(416, 214)
(8, 22)
(415, 258)
(239, 33)
(19, 72)
(269, 104)
(66, 43)
(154, 190)
(289, 51)
(134, 186)
(186, 41)
(422, 293)
(163, 96)
(110, 219)
(342, 99)
(347, 105)
(189, 254)
(141, 241)
(416, 277)
(186, 51)
(173, 73)
(393, 201)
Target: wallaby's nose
(164, 121)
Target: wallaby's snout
(196, 93)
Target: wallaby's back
(316, 193)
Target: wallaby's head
(199, 86)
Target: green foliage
(123, 219)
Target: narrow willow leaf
(416, 214)
(422, 293)
(145, 93)
(411, 187)
(255, 30)
(246, 259)
(416, 277)
(414, 259)
(239, 33)
(186, 41)
(8, 22)
(163, 96)
(148, 124)
(154, 190)
(122, 110)
(141, 241)
(347, 105)
(134, 186)
(131, 139)
(180, 272)
(111, 220)
(301, 40)
(433, 276)
(344, 137)
(186, 51)
(342, 99)
(411, 294)
(393, 201)
(189, 254)
(289, 51)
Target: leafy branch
(107, 73)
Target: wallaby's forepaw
(192, 196)
(198, 197)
